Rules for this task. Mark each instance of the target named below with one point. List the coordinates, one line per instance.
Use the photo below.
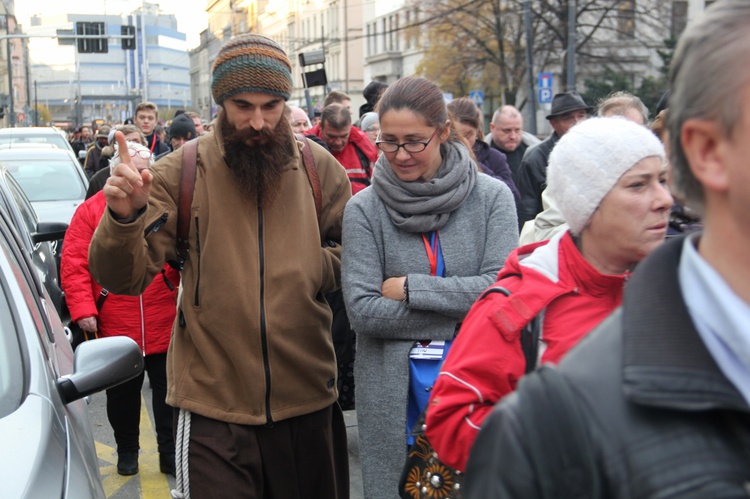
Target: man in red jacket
(147, 319)
(348, 144)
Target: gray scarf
(426, 206)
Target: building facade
(81, 88)
(14, 82)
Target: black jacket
(157, 149)
(514, 157)
(496, 163)
(662, 420)
(531, 178)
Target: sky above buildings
(191, 14)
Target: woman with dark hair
(419, 246)
(468, 119)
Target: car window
(55, 139)
(24, 207)
(11, 365)
(47, 180)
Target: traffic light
(128, 43)
(92, 45)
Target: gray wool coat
(476, 240)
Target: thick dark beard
(258, 167)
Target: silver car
(35, 235)
(10, 137)
(47, 446)
(52, 179)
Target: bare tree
(485, 39)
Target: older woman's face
(632, 219)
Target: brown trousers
(299, 458)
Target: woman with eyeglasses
(419, 246)
(147, 319)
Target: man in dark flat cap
(568, 109)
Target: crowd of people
(312, 253)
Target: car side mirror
(49, 231)
(101, 364)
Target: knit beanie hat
(251, 63)
(367, 120)
(183, 127)
(588, 161)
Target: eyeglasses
(414, 146)
(140, 153)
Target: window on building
(679, 17)
(626, 20)
(408, 29)
(391, 32)
(385, 34)
(368, 46)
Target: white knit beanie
(588, 161)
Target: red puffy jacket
(486, 360)
(147, 319)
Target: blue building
(82, 88)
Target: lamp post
(8, 53)
(530, 63)
(571, 44)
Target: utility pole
(36, 106)
(530, 63)
(11, 110)
(346, 47)
(571, 44)
(144, 60)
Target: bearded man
(251, 364)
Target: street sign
(545, 95)
(477, 96)
(545, 80)
(545, 88)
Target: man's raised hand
(128, 188)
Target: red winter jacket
(359, 176)
(148, 318)
(486, 359)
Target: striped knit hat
(251, 63)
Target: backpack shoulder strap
(559, 443)
(364, 161)
(312, 173)
(187, 186)
(531, 331)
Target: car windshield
(55, 139)
(47, 180)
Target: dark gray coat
(662, 419)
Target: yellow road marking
(154, 484)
